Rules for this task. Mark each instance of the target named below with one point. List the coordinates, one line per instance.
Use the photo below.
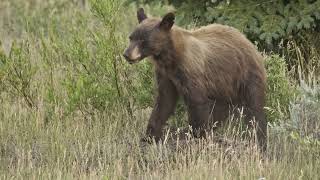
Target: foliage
(17, 73)
(305, 112)
(280, 91)
(131, 85)
(92, 80)
(303, 124)
(71, 61)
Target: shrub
(18, 72)
(279, 91)
(305, 112)
(303, 124)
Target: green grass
(72, 108)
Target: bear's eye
(130, 38)
(144, 43)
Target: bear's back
(226, 43)
(224, 56)
(219, 32)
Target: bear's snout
(126, 55)
(132, 54)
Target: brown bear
(212, 68)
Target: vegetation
(280, 91)
(72, 108)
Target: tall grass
(71, 108)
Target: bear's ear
(141, 15)
(167, 22)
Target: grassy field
(72, 108)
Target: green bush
(132, 84)
(303, 124)
(280, 92)
(73, 60)
(18, 73)
(305, 112)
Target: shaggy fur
(212, 68)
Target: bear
(213, 69)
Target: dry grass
(104, 148)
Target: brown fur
(212, 68)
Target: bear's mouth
(134, 61)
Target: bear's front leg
(164, 107)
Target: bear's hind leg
(255, 116)
(205, 115)
(199, 115)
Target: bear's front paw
(149, 139)
(146, 139)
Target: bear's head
(149, 38)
